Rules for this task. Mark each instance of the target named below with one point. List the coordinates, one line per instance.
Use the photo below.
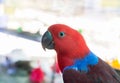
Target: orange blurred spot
(115, 63)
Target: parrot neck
(83, 64)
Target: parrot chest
(82, 65)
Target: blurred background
(23, 22)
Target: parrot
(76, 61)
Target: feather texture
(100, 73)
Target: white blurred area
(98, 19)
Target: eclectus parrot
(77, 62)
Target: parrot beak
(47, 41)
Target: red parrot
(77, 62)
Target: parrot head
(68, 43)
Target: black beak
(47, 41)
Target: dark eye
(61, 34)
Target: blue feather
(82, 64)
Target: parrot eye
(61, 34)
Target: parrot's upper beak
(47, 41)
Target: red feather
(66, 49)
